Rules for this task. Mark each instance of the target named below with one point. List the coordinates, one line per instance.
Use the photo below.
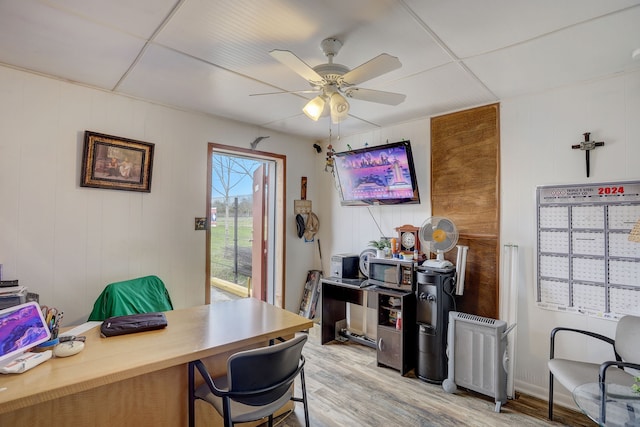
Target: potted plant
(381, 246)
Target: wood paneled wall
(465, 176)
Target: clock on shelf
(408, 238)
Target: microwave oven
(392, 273)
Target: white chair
(572, 373)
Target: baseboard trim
(561, 396)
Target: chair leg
(226, 410)
(550, 396)
(303, 399)
(270, 420)
(303, 387)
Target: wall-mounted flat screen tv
(380, 175)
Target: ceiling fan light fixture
(335, 81)
(339, 107)
(314, 108)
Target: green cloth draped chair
(142, 295)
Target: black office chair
(257, 384)
(573, 373)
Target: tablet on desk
(22, 327)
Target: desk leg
(365, 298)
(333, 310)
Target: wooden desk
(336, 293)
(141, 379)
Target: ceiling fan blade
(298, 65)
(378, 96)
(285, 91)
(375, 67)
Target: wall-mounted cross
(587, 146)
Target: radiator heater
(478, 358)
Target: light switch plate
(200, 223)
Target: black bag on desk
(122, 325)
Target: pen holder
(47, 345)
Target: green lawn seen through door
(222, 250)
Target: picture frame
(311, 294)
(116, 163)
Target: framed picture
(116, 163)
(311, 294)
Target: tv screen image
(382, 174)
(22, 327)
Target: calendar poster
(586, 263)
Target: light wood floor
(346, 388)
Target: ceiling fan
(332, 80)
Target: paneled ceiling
(212, 55)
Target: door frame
(259, 248)
(279, 209)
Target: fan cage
(428, 227)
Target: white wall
(536, 137)
(352, 227)
(66, 242)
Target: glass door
(243, 237)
